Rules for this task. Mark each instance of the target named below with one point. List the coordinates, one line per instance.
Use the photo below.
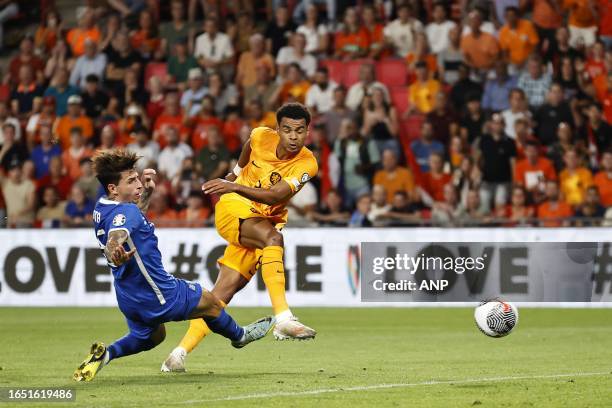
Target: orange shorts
(230, 212)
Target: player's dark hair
(293, 110)
(109, 164)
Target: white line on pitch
(384, 386)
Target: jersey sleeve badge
(119, 220)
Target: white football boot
(291, 328)
(175, 362)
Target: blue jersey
(141, 281)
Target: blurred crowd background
(444, 113)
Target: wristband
(237, 170)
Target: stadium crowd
(424, 112)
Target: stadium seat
(392, 72)
(336, 70)
(399, 99)
(159, 69)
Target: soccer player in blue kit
(147, 295)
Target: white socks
(282, 316)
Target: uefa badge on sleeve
(119, 220)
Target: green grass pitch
(361, 357)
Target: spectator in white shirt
(172, 156)
(147, 149)
(316, 33)
(437, 31)
(320, 96)
(92, 62)
(400, 33)
(296, 53)
(213, 49)
(367, 81)
(191, 100)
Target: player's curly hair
(109, 164)
(293, 110)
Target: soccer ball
(496, 318)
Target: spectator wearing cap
(202, 123)
(551, 114)
(367, 81)
(533, 171)
(181, 62)
(603, 179)
(421, 94)
(400, 33)
(450, 58)
(480, 49)
(61, 91)
(6, 117)
(552, 212)
(316, 33)
(172, 156)
(439, 29)
(496, 96)
(19, 197)
(177, 30)
(22, 97)
(51, 213)
(43, 152)
(74, 118)
(582, 22)
(86, 30)
(95, 100)
(213, 160)
(425, 146)
(91, 62)
(214, 50)
(352, 41)
(79, 209)
(518, 110)
(27, 57)
(253, 61)
(134, 117)
(320, 96)
(71, 157)
(191, 100)
(121, 58)
(333, 118)
(295, 52)
(574, 179)
(517, 38)
(46, 117)
(147, 149)
(535, 82)
(11, 151)
(278, 31)
(498, 154)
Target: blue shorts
(143, 322)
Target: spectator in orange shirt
(422, 53)
(480, 49)
(258, 117)
(517, 38)
(202, 122)
(171, 116)
(26, 57)
(196, 214)
(547, 18)
(160, 212)
(294, 89)
(435, 179)
(394, 178)
(73, 119)
(517, 212)
(146, 39)
(534, 170)
(77, 151)
(603, 179)
(246, 74)
(554, 209)
(582, 22)
(353, 40)
(422, 93)
(574, 179)
(48, 32)
(87, 29)
(378, 46)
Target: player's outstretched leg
(229, 282)
(260, 233)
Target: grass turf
(354, 348)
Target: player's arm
(276, 194)
(243, 160)
(148, 183)
(114, 250)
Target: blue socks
(225, 325)
(127, 345)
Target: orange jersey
(265, 169)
